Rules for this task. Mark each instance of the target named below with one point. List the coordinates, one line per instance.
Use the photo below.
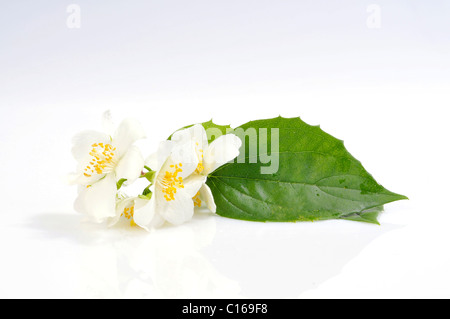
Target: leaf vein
(228, 200)
(260, 200)
(349, 157)
(290, 182)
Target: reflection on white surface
(209, 257)
(167, 263)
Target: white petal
(156, 160)
(181, 209)
(145, 214)
(186, 155)
(120, 207)
(77, 178)
(82, 144)
(193, 184)
(156, 222)
(99, 200)
(190, 144)
(81, 179)
(176, 211)
(222, 150)
(130, 165)
(180, 155)
(128, 132)
(195, 134)
(207, 197)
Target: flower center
(200, 166)
(197, 200)
(102, 159)
(129, 213)
(171, 182)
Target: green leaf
(150, 176)
(147, 193)
(120, 183)
(367, 216)
(316, 177)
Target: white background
(379, 82)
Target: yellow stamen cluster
(102, 159)
(129, 213)
(197, 200)
(200, 166)
(171, 182)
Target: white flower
(182, 165)
(103, 160)
(173, 188)
(210, 156)
(127, 207)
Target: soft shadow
(73, 227)
(272, 260)
(57, 226)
